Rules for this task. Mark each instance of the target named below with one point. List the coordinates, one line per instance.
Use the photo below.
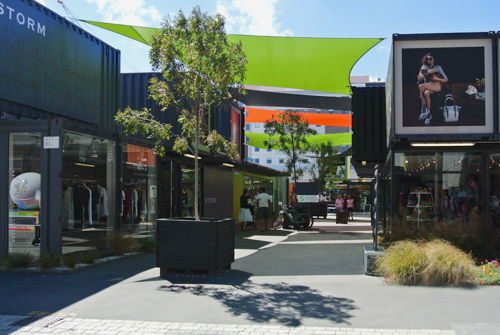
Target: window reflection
(24, 190)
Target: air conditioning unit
(370, 256)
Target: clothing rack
(80, 180)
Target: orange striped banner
(258, 115)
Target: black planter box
(188, 247)
(318, 209)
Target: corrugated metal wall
(56, 70)
(368, 124)
(134, 94)
(110, 87)
(217, 195)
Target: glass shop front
(441, 185)
(105, 187)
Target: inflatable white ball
(25, 190)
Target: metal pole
(171, 189)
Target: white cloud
(131, 12)
(257, 17)
(42, 2)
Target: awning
(314, 64)
(256, 98)
(257, 139)
(257, 115)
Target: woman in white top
(432, 77)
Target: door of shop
(30, 167)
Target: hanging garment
(103, 201)
(80, 201)
(127, 203)
(90, 205)
(123, 203)
(68, 209)
(135, 199)
(144, 209)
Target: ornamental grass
(120, 244)
(436, 262)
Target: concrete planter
(188, 247)
(370, 256)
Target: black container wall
(369, 140)
(56, 69)
(217, 192)
(306, 188)
(110, 87)
(134, 94)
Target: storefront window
(441, 161)
(362, 195)
(88, 192)
(139, 205)
(494, 166)
(449, 188)
(25, 190)
(253, 185)
(187, 192)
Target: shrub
(48, 260)
(18, 259)
(69, 261)
(426, 263)
(89, 257)
(402, 263)
(120, 244)
(488, 272)
(473, 235)
(148, 246)
(447, 265)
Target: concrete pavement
(287, 282)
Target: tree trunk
(196, 190)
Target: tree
(324, 160)
(289, 130)
(199, 66)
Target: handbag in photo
(450, 110)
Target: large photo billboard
(443, 87)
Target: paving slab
(291, 282)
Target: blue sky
(299, 18)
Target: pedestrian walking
(263, 207)
(245, 214)
(350, 208)
(293, 199)
(339, 204)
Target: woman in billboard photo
(431, 77)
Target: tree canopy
(292, 130)
(199, 65)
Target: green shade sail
(257, 139)
(315, 64)
(141, 34)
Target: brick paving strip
(32, 325)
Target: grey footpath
(282, 282)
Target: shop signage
(210, 200)
(51, 142)
(22, 19)
(20, 227)
(48, 63)
(307, 198)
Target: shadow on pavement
(280, 303)
(46, 293)
(231, 277)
